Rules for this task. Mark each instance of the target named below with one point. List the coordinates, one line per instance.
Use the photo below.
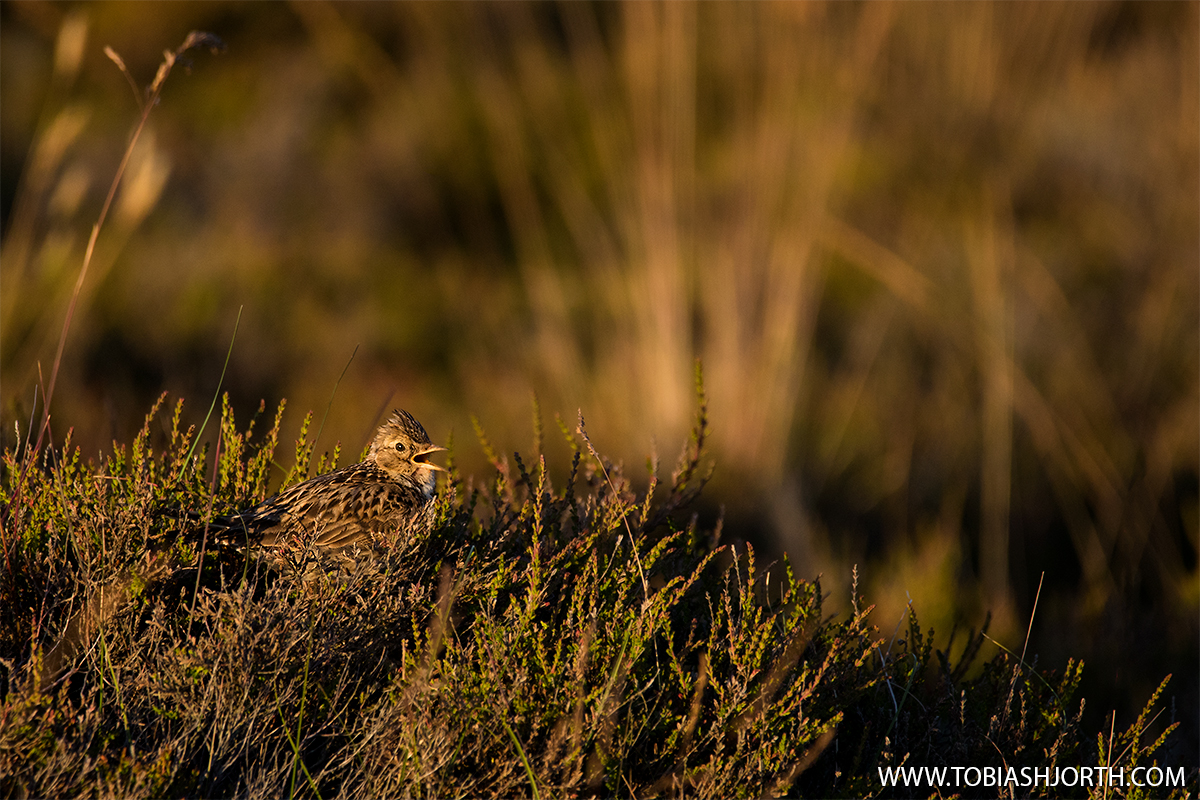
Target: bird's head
(402, 449)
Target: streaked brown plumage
(390, 490)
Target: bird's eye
(400, 446)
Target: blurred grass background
(940, 262)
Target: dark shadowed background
(940, 263)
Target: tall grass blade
(216, 396)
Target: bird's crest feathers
(403, 422)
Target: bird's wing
(265, 522)
(341, 508)
(343, 513)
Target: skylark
(359, 505)
(354, 508)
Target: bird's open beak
(422, 457)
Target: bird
(335, 516)
(360, 505)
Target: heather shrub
(586, 638)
